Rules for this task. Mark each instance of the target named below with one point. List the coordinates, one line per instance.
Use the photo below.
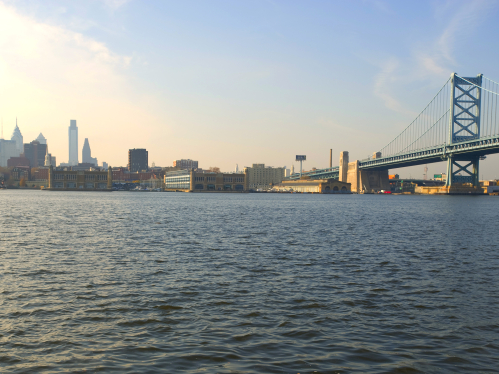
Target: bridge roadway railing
(327, 173)
(478, 147)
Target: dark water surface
(253, 283)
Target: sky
(236, 82)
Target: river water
(248, 283)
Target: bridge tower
(464, 125)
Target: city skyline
(262, 94)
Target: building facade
(35, 153)
(69, 180)
(192, 181)
(21, 172)
(8, 149)
(324, 186)
(138, 160)
(73, 143)
(262, 177)
(185, 164)
(17, 161)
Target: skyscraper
(18, 138)
(41, 139)
(73, 143)
(86, 154)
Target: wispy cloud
(115, 4)
(438, 57)
(50, 74)
(435, 59)
(382, 83)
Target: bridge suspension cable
(427, 130)
(431, 127)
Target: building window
(228, 187)
(239, 187)
(71, 185)
(211, 187)
(58, 185)
(89, 177)
(198, 187)
(89, 186)
(102, 186)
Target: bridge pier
(362, 181)
(462, 175)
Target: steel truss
(464, 126)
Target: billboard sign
(301, 158)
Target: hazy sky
(227, 82)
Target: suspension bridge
(460, 125)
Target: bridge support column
(343, 169)
(462, 174)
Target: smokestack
(330, 158)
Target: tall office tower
(35, 153)
(86, 154)
(73, 143)
(41, 139)
(138, 159)
(18, 138)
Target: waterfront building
(39, 174)
(73, 143)
(86, 154)
(20, 172)
(313, 186)
(138, 160)
(82, 180)
(192, 181)
(41, 139)
(185, 164)
(121, 174)
(35, 153)
(260, 176)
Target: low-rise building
(313, 186)
(192, 181)
(21, 172)
(263, 177)
(82, 180)
(185, 164)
